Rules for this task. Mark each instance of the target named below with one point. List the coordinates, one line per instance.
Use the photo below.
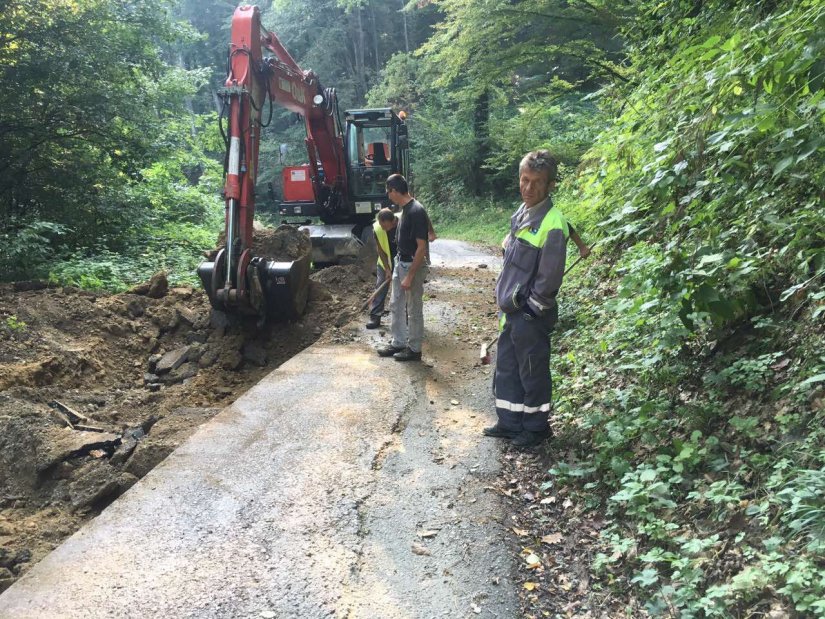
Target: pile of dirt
(284, 243)
(97, 389)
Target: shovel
(374, 293)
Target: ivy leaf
(646, 577)
(783, 165)
(818, 378)
(647, 475)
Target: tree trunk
(375, 41)
(358, 45)
(481, 130)
(406, 34)
(187, 102)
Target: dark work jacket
(534, 258)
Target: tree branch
(539, 14)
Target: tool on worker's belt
(484, 354)
(373, 295)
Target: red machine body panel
(298, 184)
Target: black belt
(405, 257)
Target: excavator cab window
(373, 152)
(370, 155)
(369, 145)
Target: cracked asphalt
(342, 485)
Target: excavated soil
(97, 389)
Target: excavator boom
(236, 280)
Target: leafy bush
(27, 248)
(693, 383)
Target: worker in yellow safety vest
(384, 230)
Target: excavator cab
(377, 147)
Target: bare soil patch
(97, 389)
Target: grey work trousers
(407, 307)
(523, 387)
(377, 305)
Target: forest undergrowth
(691, 377)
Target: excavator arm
(236, 280)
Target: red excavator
(342, 184)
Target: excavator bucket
(285, 287)
(273, 290)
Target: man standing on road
(384, 231)
(406, 301)
(534, 256)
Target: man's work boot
(374, 323)
(407, 355)
(389, 350)
(527, 438)
(497, 431)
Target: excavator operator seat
(379, 155)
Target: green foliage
(726, 179)
(14, 324)
(476, 108)
(692, 384)
(176, 248)
(572, 39)
(402, 84)
(26, 247)
(557, 120)
(101, 148)
(475, 220)
(750, 374)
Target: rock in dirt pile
(97, 389)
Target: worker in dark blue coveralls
(534, 256)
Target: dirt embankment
(95, 389)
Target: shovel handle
(375, 292)
(484, 353)
(579, 259)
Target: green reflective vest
(383, 242)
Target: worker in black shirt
(407, 299)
